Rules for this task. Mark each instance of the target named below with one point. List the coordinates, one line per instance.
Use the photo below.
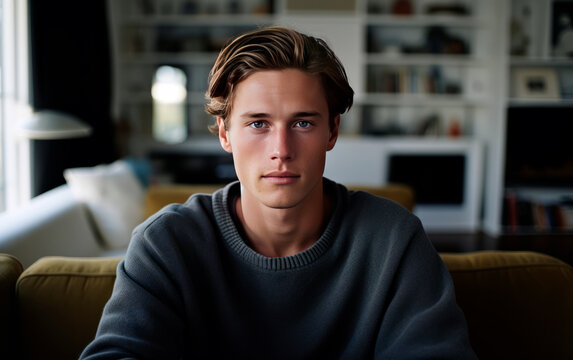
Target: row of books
(409, 80)
(524, 215)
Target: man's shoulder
(373, 211)
(369, 200)
(197, 207)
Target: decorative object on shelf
(454, 128)
(189, 7)
(440, 41)
(234, 7)
(402, 7)
(429, 126)
(52, 125)
(373, 8)
(520, 39)
(536, 83)
(562, 29)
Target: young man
(284, 263)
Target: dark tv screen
(436, 179)
(539, 147)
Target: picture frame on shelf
(536, 83)
(562, 29)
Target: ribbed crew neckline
(222, 200)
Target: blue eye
(303, 124)
(257, 124)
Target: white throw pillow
(114, 196)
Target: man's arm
(423, 320)
(144, 317)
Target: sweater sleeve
(422, 319)
(144, 317)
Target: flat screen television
(446, 175)
(539, 147)
(438, 179)
(446, 179)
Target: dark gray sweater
(371, 287)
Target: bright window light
(169, 92)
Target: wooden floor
(557, 245)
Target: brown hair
(275, 48)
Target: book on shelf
(526, 215)
(411, 80)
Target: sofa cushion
(114, 196)
(518, 305)
(60, 302)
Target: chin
(283, 204)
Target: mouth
(281, 177)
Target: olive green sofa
(519, 305)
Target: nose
(281, 145)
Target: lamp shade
(51, 125)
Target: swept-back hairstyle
(276, 48)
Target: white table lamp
(52, 125)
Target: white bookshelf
(475, 97)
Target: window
(2, 161)
(169, 92)
(14, 104)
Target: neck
(284, 232)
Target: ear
(224, 136)
(333, 133)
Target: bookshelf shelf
(198, 20)
(419, 100)
(409, 59)
(518, 102)
(534, 202)
(423, 20)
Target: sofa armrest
(60, 302)
(10, 270)
(518, 305)
(54, 223)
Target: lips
(281, 177)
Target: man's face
(279, 134)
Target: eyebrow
(256, 115)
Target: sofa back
(158, 196)
(517, 304)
